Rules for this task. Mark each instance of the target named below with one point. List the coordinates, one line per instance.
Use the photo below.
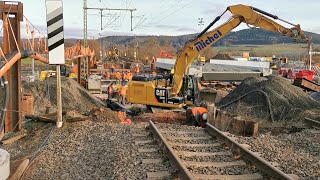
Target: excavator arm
(240, 13)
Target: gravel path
(89, 150)
(297, 153)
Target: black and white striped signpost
(56, 45)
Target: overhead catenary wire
(173, 7)
(34, 26)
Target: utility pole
(201, 22)
(85, 9)
(100, 42)
(310, 45)
(85, 41)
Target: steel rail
(260, 163)
(174, 158)
(312, 122)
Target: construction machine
(164, 53)
(65, 71)
(183, 89)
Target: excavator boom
(240, 13)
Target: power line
(34, 26)
(172, 8)
(171, 13)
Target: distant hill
(253, 36)
(247, 36)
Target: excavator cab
(191, 89)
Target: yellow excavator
(183, 89)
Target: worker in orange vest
(118, 75)
(154, 73)
(129, 75)
(122, 94)
(124, 76)
(110, 91)
(153, 64)
(137, 69)
(198, 116)
(112, 68)
(108, 75)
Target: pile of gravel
(89, 150)
(287, 102)
(74, 96)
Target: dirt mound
(287, 102)
(74, 96)
(223, 57)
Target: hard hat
(127, 121)
(204, 116)
(204, 105)
(136, 64)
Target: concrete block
(4, 164)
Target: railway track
(312, 123)
(210, 154)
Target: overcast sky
(165, 17)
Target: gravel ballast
(89, 150)
(209, 170)
(296, 153)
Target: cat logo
(160, 92)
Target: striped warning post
(55, 31)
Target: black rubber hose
(24, 54)
(5, 103)
(264, 93)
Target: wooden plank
(306, 84)
(76, 119)
(187, 138)
(200, 132)
(150, 150)
(195, 145)
(20, 170)
(215, 164)
(135, 130)
(140, 135)
(310, 85)
(251, 128)
(40, 118)
(152, 161)
(14, 139)
(189, 154)
(143, 142)
(254, 176)
(238, 125)
(158, 175)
